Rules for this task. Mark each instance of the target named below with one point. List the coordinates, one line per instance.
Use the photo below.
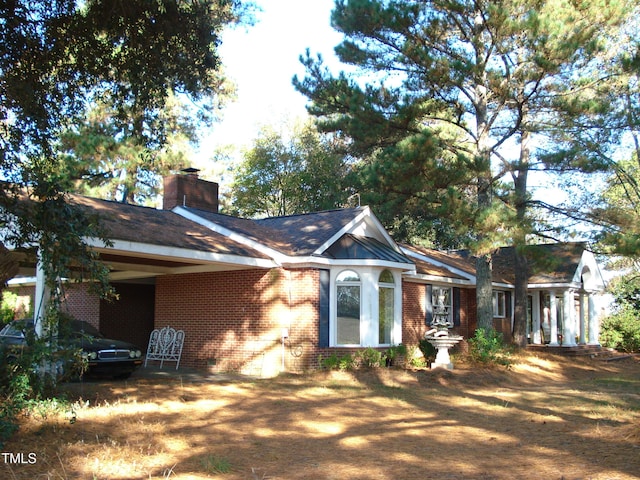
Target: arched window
(386, 309)
(348, 313)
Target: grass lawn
(548, 417)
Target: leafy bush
(336, 362)
(370, 358)
(487, 346)
(622, 330)
(414, 359)
(365, 358)
(428, 351)
(7, 307)
(29, 375)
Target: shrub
(621, 331)
(370, 357)
(7, 307)
(487, 347)
(392, 354)
(336, 362)
(428, 351)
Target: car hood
(95, 343)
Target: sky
(261, 60)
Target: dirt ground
(548, 417)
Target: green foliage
(214, 464)
(287, 173)
(621, 330)
(337, 362)
(29, 375)
(7, 307)
(487, 347)
(110, 156)
(366, 358)
(370, 358)
(428, 350)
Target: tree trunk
(521, 299)
(519, 241)
(484, 292)
(484, 268)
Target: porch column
(569, 324)
(536, 339)
(553, 341)
(582, 319)
(594, 321)
(41, 298)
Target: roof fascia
(323, 262)
(435, 279)
(195, 256)
(554, 286)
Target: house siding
(234, 320)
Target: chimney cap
(190, 170)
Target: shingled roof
(159, 227)
(548, 263)
(291, 235)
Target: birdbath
(442, 340)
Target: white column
(582, 319)
(554, 319)
(569, 324)
(594, 321)
(535, 321)
(41, 299)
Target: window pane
(348, 315)
(385, 320)
(386, 277)
(348, 276)
(498, 304)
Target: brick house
(262, 296)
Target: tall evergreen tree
(471, 76)
(58, 58)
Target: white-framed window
(499, 305)
(441, 302)
(366, 307)
(348, 289)
(386, 308)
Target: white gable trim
(365, 220)
(276, 256)
(588, 260)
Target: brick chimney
(187, 190)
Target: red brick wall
(413, 312)
(76, 300)
(81, 304)
(234, 320)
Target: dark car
(102, 355)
